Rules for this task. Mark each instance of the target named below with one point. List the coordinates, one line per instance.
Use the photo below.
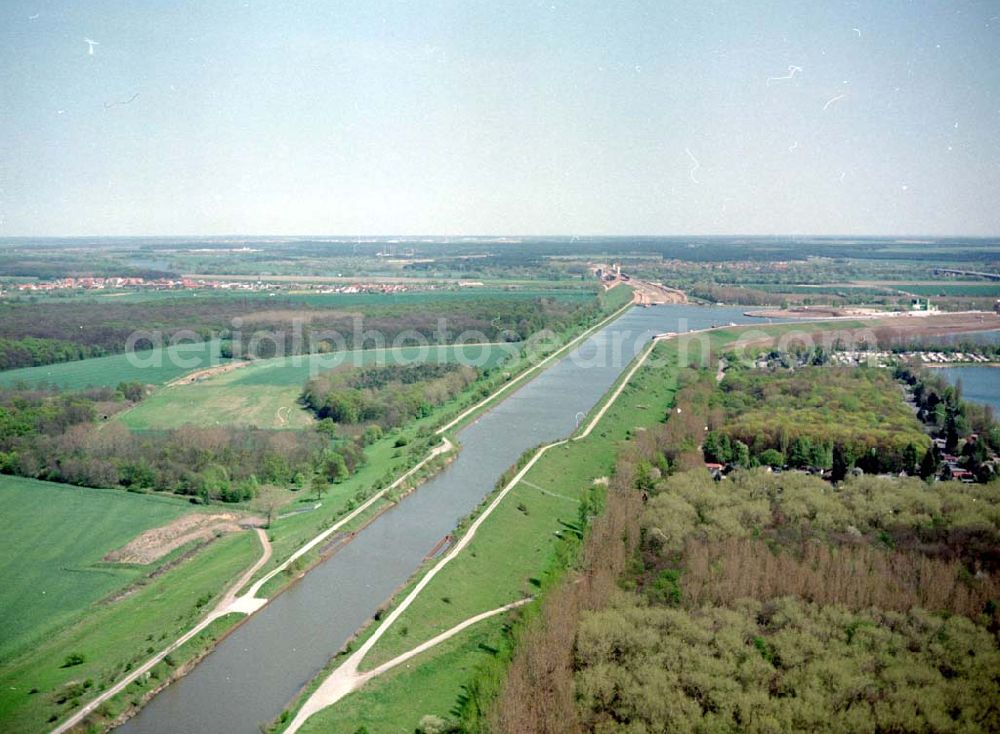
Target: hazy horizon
(526, 119)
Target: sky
(499, 117)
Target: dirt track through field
(154, 544)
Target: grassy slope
(427, 685)
(255, 394)
(68, 530)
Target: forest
(386, 396)
(68, 437)
(43, 333)
(815, 416)
(767, 603)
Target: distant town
(122, 283)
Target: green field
(68, 530)
(150, 367)
(114, 638)
(986, 290)
(266, 394)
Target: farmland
(150, 367)
(69, 531)
(55, 596)
(37, 687)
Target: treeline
(958, 345)
(967, 428)
(823, 417)
(59, 437)
(34, 352)
(267, 328)
(735, 294)
(386, 396)
(493, 320)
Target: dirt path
(249, 598)
(346, 681)
(651, 294)
(204, 374)
(157, 542)
(346, 678)
(227, 604)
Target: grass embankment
(523, 547)
(42, 683)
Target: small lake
(979, 384)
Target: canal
(256, 671)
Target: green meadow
(38, 688)
(989, 290)
(149, 367)
(56, 587)
(266, 394)
(51, 550)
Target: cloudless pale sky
(499, 117)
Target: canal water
(256, 671)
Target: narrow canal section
(250, 677)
